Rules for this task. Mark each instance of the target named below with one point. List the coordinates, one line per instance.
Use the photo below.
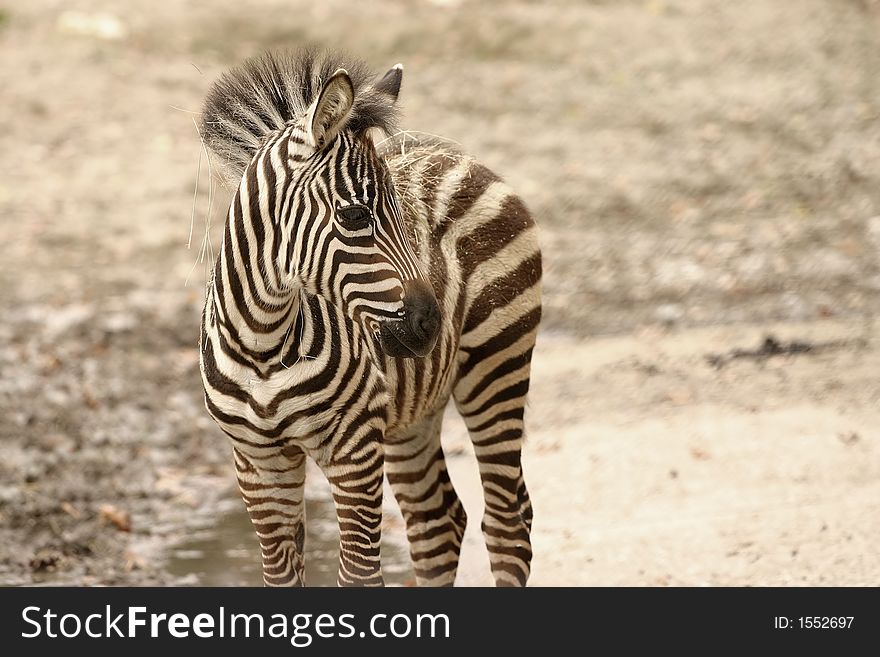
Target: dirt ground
(705, 175)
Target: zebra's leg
(272, 490)
(356, 483)
(490, 394)
(435, 517)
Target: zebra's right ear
(328, 114)
(389, 84)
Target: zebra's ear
(331, 109)
(389, 84)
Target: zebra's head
(343, 235)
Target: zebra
(365, 277)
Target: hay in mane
(261, 95)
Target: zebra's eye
(354, 216)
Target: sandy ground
(704, 174)
(649, 465)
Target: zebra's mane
(259, 96)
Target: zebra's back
(478, 244)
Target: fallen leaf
(679, 397)
(119, 518)
(71, 510)
(699, 454)
(134, 561)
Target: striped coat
(363, 281)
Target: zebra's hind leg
(435, 518)
(272, 490)
(490, 394)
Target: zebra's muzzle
(416, 333)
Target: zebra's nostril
(424, 320)
(417, 322)
(422, 316)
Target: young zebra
(364, 278)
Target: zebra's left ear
(331, 109)
(389, 84)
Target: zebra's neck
(254, 315)
(255, 305)
(308, 335)
(257, 336)
(258, 311)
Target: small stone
(669, 313)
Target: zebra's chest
(419, 388)
(307, 403)
(271, 410)
(320, 390)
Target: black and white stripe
(362, 282)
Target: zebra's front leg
(356, 483)
(272, 489)
(435, 517)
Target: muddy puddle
(227, 553)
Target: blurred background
(706, 176)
